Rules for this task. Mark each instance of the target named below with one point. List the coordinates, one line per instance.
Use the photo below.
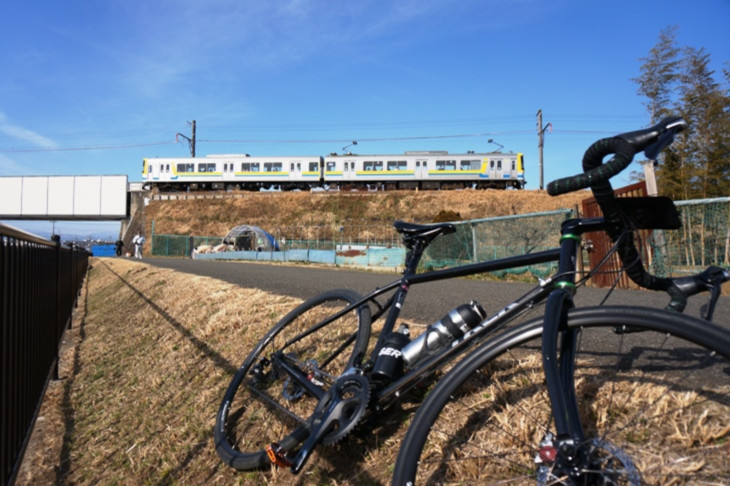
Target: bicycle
(313, 378)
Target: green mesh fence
(180, 245)
(703, 239)
(491, 238)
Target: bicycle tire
(655, 406)
(260, 407)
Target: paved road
(426, 302)
(430, 301)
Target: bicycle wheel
(655, 407)
(263, 405)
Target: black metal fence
(39, 283)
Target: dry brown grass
(215, 217)
(143, 371)
(151, 353)
(673, 436)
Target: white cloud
(9, 167)
(24, 135)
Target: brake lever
(714, 285)
(664, 141)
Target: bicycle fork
(558, 353)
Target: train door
(155, 170)
(495, 168)
(295, 170)
(421, 169)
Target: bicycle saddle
(425, 232)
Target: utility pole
(191, 141)
(541, 142)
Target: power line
(294, 141)
(379, 139)
(77, 149)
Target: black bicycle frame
(558, 291)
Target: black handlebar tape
(595, 172)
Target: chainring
(351, 394)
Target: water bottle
(389, 364)
(443, 332)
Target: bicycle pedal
(277, 456)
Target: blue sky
(93, 87)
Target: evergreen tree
(679, 81)
(659, 74)
(706, 108)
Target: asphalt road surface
(425, 303)
(428, 302)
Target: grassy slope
(143, 374)
(215, 217)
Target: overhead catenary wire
(290, 141)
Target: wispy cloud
(23, 134)
(9, 167)
(172, 44)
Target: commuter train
(411, 170)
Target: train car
(411, 170)
(233, 172)
(425, 170)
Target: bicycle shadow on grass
(336, 462)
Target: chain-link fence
(474, 240)
(492, 238)
(703, 239)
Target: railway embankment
(213, 214)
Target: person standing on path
(138, 241)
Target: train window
(373, 165)
(514, 162)
(445, 165)
(167, 168)
(331, 166)
(299, 166)
(206, 167)
(397, 165)
(272, 166)
(499, 165)
(352, 166)
(250, 167)
(313, 166)
(471, 164)
(491, 164)
(185, 168)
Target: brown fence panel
(602, 243)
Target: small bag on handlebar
(650, 212)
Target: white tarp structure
(64, 197)
(253, 238)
